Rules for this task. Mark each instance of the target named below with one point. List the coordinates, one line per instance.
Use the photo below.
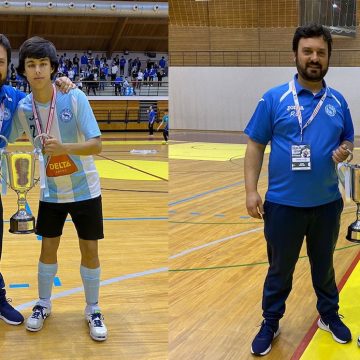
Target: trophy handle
(6, 142)
(341, 171)
(40, 136)
(350, 157)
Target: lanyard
(2, 113)
(298, 111)
(50, 117)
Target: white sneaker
(35, 322)
(98, 330)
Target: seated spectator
(140, 79)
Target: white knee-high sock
(46, 274)
(91, 282)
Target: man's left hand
(64, 84)
(341, 153)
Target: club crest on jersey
(330, 110)
(66, 115)
(7, 114)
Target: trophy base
(22, 226)
(353, 235)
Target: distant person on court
(165, 120)
(73, 184)
(302, 199)
(151, 119)
(9, 99)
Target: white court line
(188, 251)
(105, 282)
(139, 274)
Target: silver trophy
(349, 176)
(17, 171)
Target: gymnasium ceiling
(102, 34)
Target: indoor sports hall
(232, 52)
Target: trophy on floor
(17, 171)
(349, 176)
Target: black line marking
(134, 168)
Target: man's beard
(307, 74)
(2, 80)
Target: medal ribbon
(50, 117)
(43, 182)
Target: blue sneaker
(269, 330)
(9, 314)
(333, 324)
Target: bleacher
(124, 115)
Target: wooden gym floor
(133, 255)
(184, 289)
(218, 262)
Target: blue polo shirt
(275, 121)
(10, 97)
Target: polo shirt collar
(300, 88)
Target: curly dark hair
(310, 31)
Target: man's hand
(64, 84)
(254, 205)
(341, 153)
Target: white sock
(46, 274)
(91, 282)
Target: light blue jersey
(73, 122)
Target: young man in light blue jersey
(310, 129)
(73, 185)
(9, 99)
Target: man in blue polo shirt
(310, 129)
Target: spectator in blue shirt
(151, 119)
(162, 62)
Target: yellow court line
(322, 345)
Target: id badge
(300, 157)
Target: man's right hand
(254, 205)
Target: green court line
(214, 223)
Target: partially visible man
(9, 98)
(303, 198)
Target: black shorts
(86, 216)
